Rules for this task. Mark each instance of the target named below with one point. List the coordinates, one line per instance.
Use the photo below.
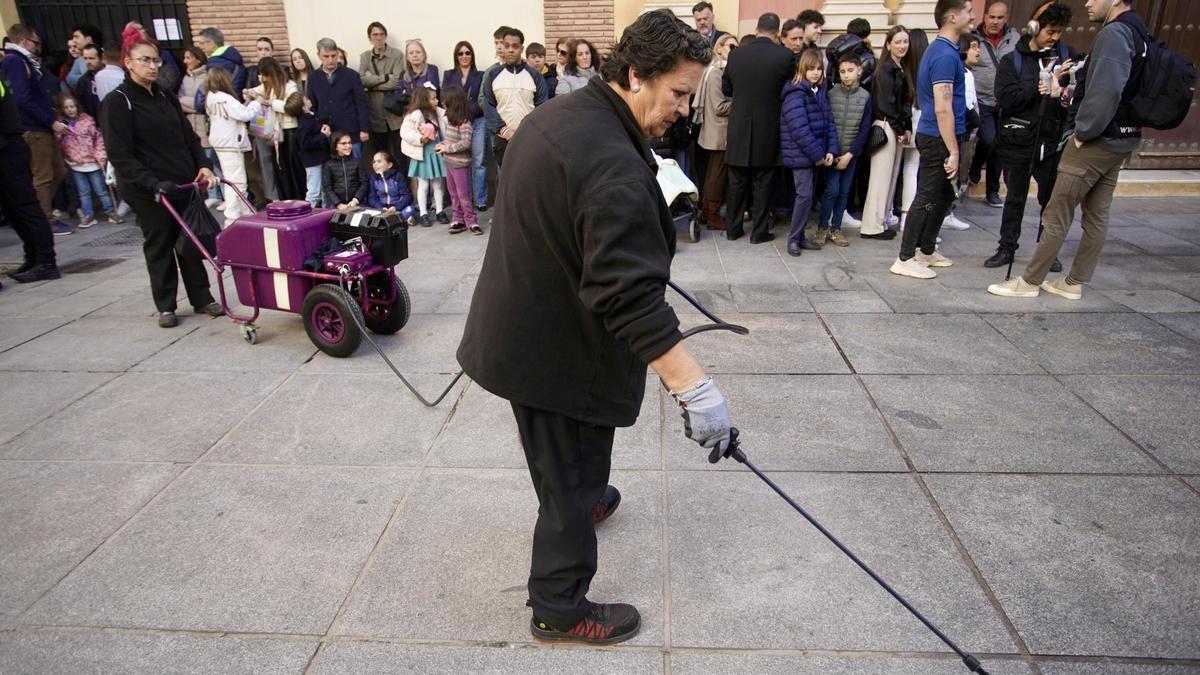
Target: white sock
(439, 193)
(423, 194)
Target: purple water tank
(281, 238)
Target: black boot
(25, 267)
(40, 272)
(1000, 259)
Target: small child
(389, 189)
(420, 133)
(312, 140)
(83, 148)
(227, 134)
(809, 139)
(456, 151)
(853, 129)
(343, 180)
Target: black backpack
(1162, 83)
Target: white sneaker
(953, 222)
(123, 209)
(85, 223)
(891, 220)
(912, 268)
(212, 201)
(936, 259)
(1061, 288)
(1014, 288)
(850, 221)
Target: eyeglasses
(149, 61)
(465, 53)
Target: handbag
(396, 101)
(876, 140)
(202, 223)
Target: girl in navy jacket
(389, 189)
(809, 139)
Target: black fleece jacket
(570, 304)
(1017, 93)
(148, 139)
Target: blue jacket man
(221, 55)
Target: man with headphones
(1091, 163)
(1031, 118)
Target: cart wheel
(694, 227)
(250, 334)
(386, 319)
(331, 319)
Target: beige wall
(8, 14)
(439, 25)
(626, 12)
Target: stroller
(680, 193)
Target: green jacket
(379, 76)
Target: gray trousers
(1086, 176)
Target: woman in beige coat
(195, 80)
(714, 131)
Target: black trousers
(569, 463)
(740, 180)
(160, 232)
(19, 201)
(935, 196)
(1018, 168)
(985, 148)
(499, 145)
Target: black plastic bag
(202, 223)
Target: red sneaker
(603, 625)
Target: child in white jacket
(423, 128)
(227, 134)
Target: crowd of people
(778, 128)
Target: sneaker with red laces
(607, 504)
(603, 625)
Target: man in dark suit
(702, 14)
(754, 78)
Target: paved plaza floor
(1027, 472)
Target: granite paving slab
(704, 662)
(191, 411)
(1187, 325)
(426, 344)
(1099, 343)
(239, 549)
(67, 651)
(794, 423)
(767, 298)
(1001, 423)
(309, 420)
(18, 330)
(748, 572)
(1116, 668)
(349, 656)
(59, 350)
(1151, 301)
(847, 302)
(282, 347)
(1159, 412)
(1085, 565)
(28, 398)
(930, 344)
(471, 529)
(53, 514)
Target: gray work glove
(705, 417)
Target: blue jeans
(837, 192)
(91, 184)
(312, 185)
(479, 139)
(804, 200)
(356, 149)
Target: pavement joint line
(187, 468)
(1153, 457)
(665, 495)
(66, 405)
(388, 527)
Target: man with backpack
(1107, 130)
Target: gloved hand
(705, 417)
(168, 189)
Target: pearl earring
(637, 88)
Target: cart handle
(185, 187)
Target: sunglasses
(562, 52)
(465, 53)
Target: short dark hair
(197, 54)
(96, 48)
(850, 58)
(653, 45)
(375, 24)
(20, 31)
(767, 23)
(1058, 14)
(112, 52)
(293, 106)
(535, 49)
(944, 7)
(267, 40)
(789, 25)
(89, 30)
(701, 6)
(811, 16)
(499, 33)
(860, 27)
(964, 44)
(512, 32)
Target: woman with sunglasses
(466, 75)
(582, 62)
(153, 149)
